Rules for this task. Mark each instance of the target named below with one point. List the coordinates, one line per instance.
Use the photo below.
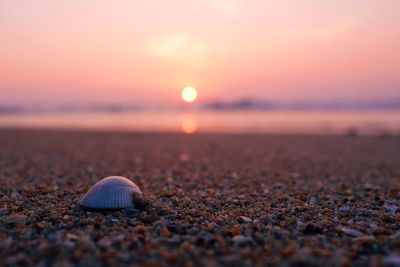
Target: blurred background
(232, 66)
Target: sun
(189, 94)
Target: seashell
(110, 193)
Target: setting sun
(189, 94)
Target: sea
(342, 122)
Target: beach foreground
(233, 200)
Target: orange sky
(93, 51)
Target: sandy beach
(214, 200)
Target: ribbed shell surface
(113, 192)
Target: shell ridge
(112, 192)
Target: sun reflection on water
(189, 125)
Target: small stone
(72, 236)
(395, 236)
(296, 175)
(359, 213)
(69, 243)
(18, 260)
(367, 186)
(15, 219)
(278, 186)
(234, 231)
(15, 195)
(364, 239)
(5, 242)
(312, 201)
(312, 228)
(241, 240)
(165, 232)
(40, 225)
(234, 175)
(105, 242)
(392, 261)
(391, 209)
(140, 229)
(4, 211)
(288, 251)
(344, 209)
(244, 219)
(373, 226)
(132, 211)
(53, 238)
(350, 232)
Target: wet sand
(215, 200)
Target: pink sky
(92, 51)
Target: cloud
(225, 7)
(178, 48)
(334, 31)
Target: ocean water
(376, 122)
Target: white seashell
(113, 192)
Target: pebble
(312, 201)
(367, 186)
(69, 243)
(15, 195)
(115, 221)
(391, 209)
(344, 209)
(237, 204)
(4, 211)
(278, 186)
(72, 236)
(350, 231)
(395, 236)
(241, 240)
(105, 242)
(15, 219)
(392, 261)
(244, 219)
(364, 239)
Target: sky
(146, 51)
